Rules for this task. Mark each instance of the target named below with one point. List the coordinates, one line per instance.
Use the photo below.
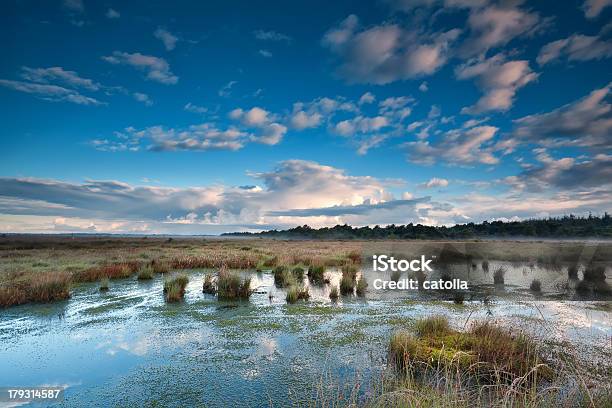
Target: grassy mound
(174, 288)
(231, 286)
(486, 352)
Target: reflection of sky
(103, 339)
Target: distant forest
(563, 227)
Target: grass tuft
(333, 294)
(316, 274)
(361, 286)
(536, 285)
(498, 275)
(231, 286)
(208, 285)
(145, 272)
(104, 284)
(174, 288)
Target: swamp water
(127, 347)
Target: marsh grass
(396, 276)
(145, 272)
(104, 285)
(231, 286)
(316, 274)
(208, 286)
(39, 287)
(536, 285)
(174, 288)
(484, 354)
(361, 286)
(333, 294)
(485, 265)
(498, 275)
(594, 273)
(283, 278)
(159, 266)
(295, 293)
(298, 272)
(347, 285)
(572, 271)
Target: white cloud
(226, 90)
(367, 98)
(52, 93)
(586, 122)
(423, 87)
(58, 74)
(592, 8)
(166, 37)
(142, 97)
(74, 5)
(458, 146)
(435, 182)
(269, 131)
(496, 25)
(265, 53)
(500, 79)
(157, 69)
(112, 13)
(576, 47)
(190, 107)
(271, 36)
(387, 53)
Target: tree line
(569, 226)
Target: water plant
(361, 286)
(594, 273)
(486, 352)
(347, 284)
(572, 271)
(536, 285)
(145, 272)
(174, 288)
(498, 275)
(104, 283)
(283, 277)
(316, 274)
(485, 265)
(333, 293)
(298, 272)
(208, 285)
(231, 286)
(295, 293)
(39, 287)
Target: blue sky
(204, 117)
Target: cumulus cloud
(576, 47)
(499, 79)
(385, 53)
(497, 25)
(366, 98)
(294, 192)
(435, 182)
(157, 69)
(166, 37)
(586, 122)
(265, 53)
(568, 173)
(52, 93)
(74, 5)
(458, 146)
(592, 8)
(269, 131)
(271, 36)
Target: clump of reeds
(347, 284)
(354, 257)
(486, 352)
(159, 266)
(536, 285)
(298, 272)
(104, 284)
(316, 274)
(432, 326)
(333, 294)
(36, 287)
(361, 286)
(572, 271)
(498, 275)
(283, 278)
(145, 272)
(485, 265)
(295, 293)
(458, 298)
(174, 288)
(208, 286)
(231, 286)
(593, 273)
